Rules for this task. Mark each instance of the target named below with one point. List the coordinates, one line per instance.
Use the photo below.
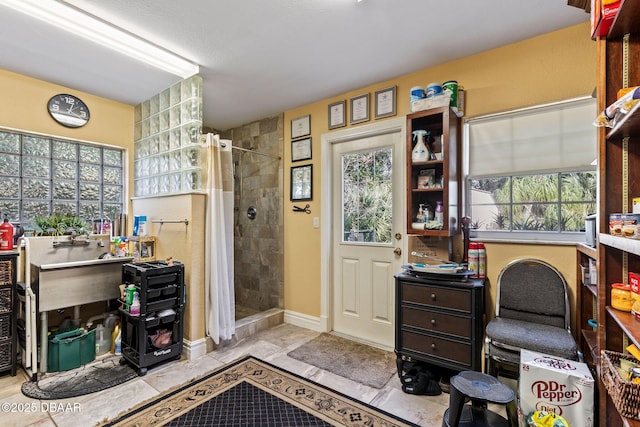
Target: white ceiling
(261, 57)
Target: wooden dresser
(439, 320)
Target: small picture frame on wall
(302, 182)
(385, 100)
(301, 127)
(337, 115)
(301, 150)
(360, 109)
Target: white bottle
(420, 152)
(420, 217)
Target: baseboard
(318, 324)
(194, 349)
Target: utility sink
(66, 272)
(67, 284)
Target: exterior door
(366, 239)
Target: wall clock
(68, 110)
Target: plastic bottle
(472, 257)
(420, 217)
(103, 340)
(118, 344)
(482, 261)
(114, 336)
(6, 235)
(439, 216)
(135, 305)
(420, 152)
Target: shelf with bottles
(432, 171)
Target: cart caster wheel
(122, 361)
(142, 372)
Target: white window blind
(559, 137)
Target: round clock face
(68, 110)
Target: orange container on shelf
(621, 296)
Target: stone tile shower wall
(259, 280)
(167, 147)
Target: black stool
(481, 389)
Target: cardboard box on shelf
(603, 13)
(552, 384)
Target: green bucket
(72, 349)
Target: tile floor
(271, 345)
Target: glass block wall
(167, 147)
(40, 176)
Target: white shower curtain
(219, 293)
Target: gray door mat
(98, 375)
(358, 362)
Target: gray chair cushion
(544, 339)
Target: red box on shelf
(603, 12)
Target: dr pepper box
(552, 384)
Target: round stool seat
(479, 386)
(481, 389)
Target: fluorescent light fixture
(75, 21)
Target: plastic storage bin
(72, 349)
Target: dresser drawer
(438, 347)
(454, 299)
(437, 322)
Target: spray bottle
(6, 235)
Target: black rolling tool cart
(155, 335)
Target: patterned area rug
(358, 362)
(251, 392)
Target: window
(367, 196)
(40, 176)
(532, 171)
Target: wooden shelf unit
(438, 121)
(618, 66)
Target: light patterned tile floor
(271, 345)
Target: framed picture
(301, 150)
(301, 182)
(337, 115)
(360, 108)
(301, 127)
(385, 103)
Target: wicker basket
(625, 394)
(5, 273)
(5, 326)
(5, 300)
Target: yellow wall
(551, 67)
(24, 108)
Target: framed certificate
(301, 150)
(360, 108)
(301, 127)
(337, 115)
(385, 103)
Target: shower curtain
(219, 293)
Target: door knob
(397, 251)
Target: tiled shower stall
(258, 184)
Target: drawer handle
(433, 297)
(433, 346)
(433, 322)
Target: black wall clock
(68, 110)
